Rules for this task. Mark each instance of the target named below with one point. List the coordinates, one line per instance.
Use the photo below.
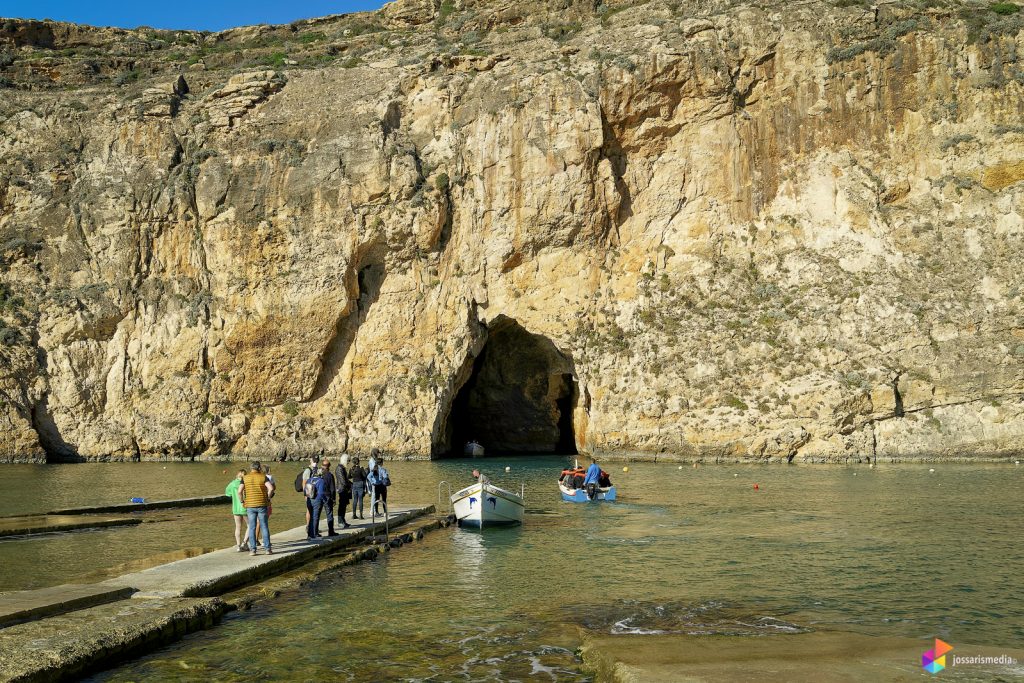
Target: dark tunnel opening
(519, 398)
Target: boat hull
(473, 450)
(580, 495)
(486, 505)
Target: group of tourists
(251, 493)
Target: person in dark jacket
(316, 494)
(344, 487)
(331, 492)
(357, 475)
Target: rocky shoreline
(1012, 456)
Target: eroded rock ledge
(783, 231)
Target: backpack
(298, 481)
(311, 486)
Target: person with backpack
(316, 498)
(330, 491)
(302, 478)
(380, 481)
(357, 475)
(344, 486)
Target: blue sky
(207, 15)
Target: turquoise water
(891, 551)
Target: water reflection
(468, 547)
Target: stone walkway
(219, 571)
(149, 505)
(27, 605)
(67, 631)
(69, 646)
(44, 524)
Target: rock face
(783, 231)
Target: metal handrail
(373, 521)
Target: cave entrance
(518, 397)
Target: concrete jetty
(44, 524)
(69, 646)
(45, 602)
(66, 631)
(217, 572)
(148, 505)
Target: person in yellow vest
(255, 492)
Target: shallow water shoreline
(611, 456)
(62, 639)
(816, 657)
(738, 551)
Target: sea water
(896, 550)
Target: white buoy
(625, 469)
(871, 466)
(1016, 462)
(735, 475)
(931, 469)
(680, 467)
(508, 469)
(855, 474)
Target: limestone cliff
(698, 229)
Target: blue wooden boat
(580, 495)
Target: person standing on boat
(357, 475)
(591, 478)
(481, 478)
(344, 486)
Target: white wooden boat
(485, 505)
(473, 450)
(580, 495)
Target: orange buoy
(756, 487)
